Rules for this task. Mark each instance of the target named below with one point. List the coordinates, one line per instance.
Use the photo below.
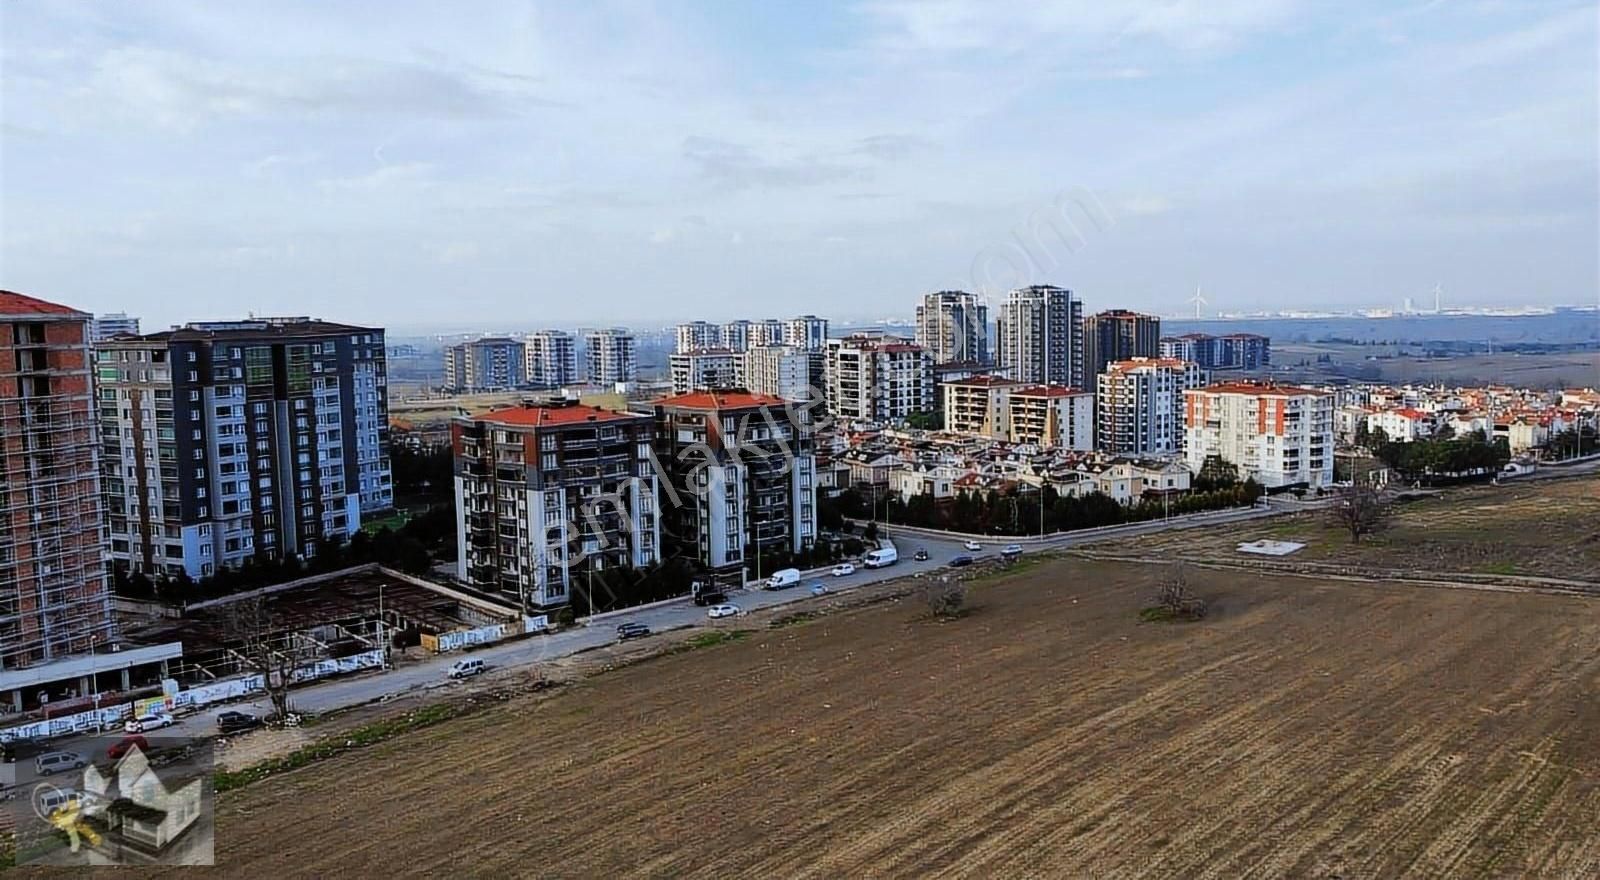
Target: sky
(525, 164)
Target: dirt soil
(1546, 528)
(1304, 729)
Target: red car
(121, 747)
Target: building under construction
(55, 603)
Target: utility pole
(382, 642)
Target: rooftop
(250, 328)
(541, 416)
(12, 303)
(1262, 389)
(1049, 391)
(1136, 363)
(725, 399)
(983, 381)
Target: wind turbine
(1198, 301)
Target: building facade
(114, 324)
(611, 356)
(1139, 407)
(551, 359)
(1039, 336)
(784, 372)
(735, 335)
(225, 441)
(953, 326)
(493, 363)
(54, 597)
(549, 493)
(1052, 416)
(697, 335)
(978, 405)
(1235, 351)
(878, 378)
(742, 476)
(1118, 335)
(768, 331)
(705, 369)
(1276, 435)
(806, 331)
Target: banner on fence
(460, 638)
(535, 623)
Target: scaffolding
(54, 600)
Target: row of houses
(1526, 420)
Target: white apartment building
(768, 331)
(978, 405)
(611, 356)
(696, 335)
(492, 363)
(1039, 336)
(806, 331)
(113, 324)
(953, 326)
(735, 335)
(878, 378)
(781, 371)
(1277, 435)
(551, 359)
(1052, 416)
(705, 369)
(1139, 406)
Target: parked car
(707, 594)
(843, 569)
(921, 555)
(468, 668)
(235, 722)
(147, 723)
(974, 546)
(819, 589)
(723, 610)
(127, 744)
(1011, 550)
(632, 631)
(55, 762)
(960, 561)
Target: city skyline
(306, 160)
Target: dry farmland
(1305, 729)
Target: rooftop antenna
(1198, 301)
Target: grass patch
(360, 737)
(1503, 567)
(799, 618)
(710, 640)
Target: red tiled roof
(1259, 389)
(1049, 391)
(12, 303)
(721, 400)
(1136, 363)
(544, 416)
(983, 381)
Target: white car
(840, 571)
(724, 610)
(972, 545)
(147, 723)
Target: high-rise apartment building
(549, 493)
(1139, 406)
(697, 335)
(742, 476)
(978, 405)
(114, 324)
(1235, 351)
(1118, 335)
(611, 356)
(551, 359)
(878, 378)
(54, 600)
(1277, 435)
(1039, 336)
(806, 331)
(953, 326)
(784, 371)
(225, 441)
(705, 369)
(735, 335)
(493, 363)
(768, 331)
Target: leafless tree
(264, 649)
(1359, 509)
(1174, 597)
(946, 597)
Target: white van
(788, 577)
(467, 668)
(55, 762)
(881, 558)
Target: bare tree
(1359, 509)
(1173, 596)
(946, 597)
(264, 650)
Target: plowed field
(1305, 729)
